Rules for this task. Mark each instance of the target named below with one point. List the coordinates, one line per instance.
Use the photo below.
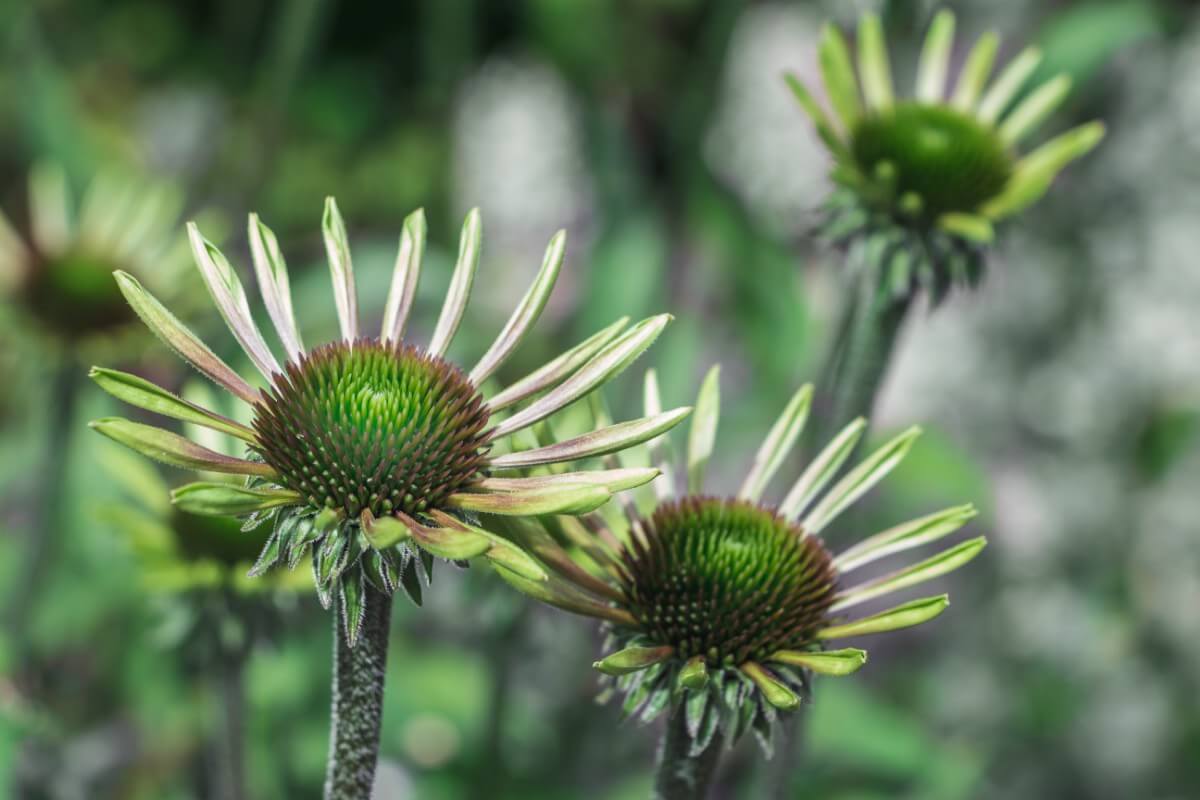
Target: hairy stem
(230, 745)
(358, 674)
(681, 775)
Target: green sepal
(354, 604)
(709, 724)
(774, 691)
(695, 706)
(269, 555)
(410, 581)
(658, 701)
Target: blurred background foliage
(1063, 397)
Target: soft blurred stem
(46, 528)
(230, 745)
(682, 776)
(358, 675)
(502, 654)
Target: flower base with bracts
(922, 180)
(372, 455)
(719, 608)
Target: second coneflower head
(922, 180)
(721, 607)
(371, 455)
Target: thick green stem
(681, 775)
(358, 674)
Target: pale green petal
(968, 226)
(703, 433)
(837, 73)
(341, 270)
(460, 284)
(906, 615)
(874, 69)
(1034, 109)
(1036, 172)
(554, 372)
(935, 58)
(975, 72)
(935, 566)
(860, 480)
(633, 659)
(903, 537)
(664, 486)
(828, 662)
(571, 498)
(274, 285)
(171, 448)
(773, 689)
(779, 442)
(1010, 81)
(822, 469)
(405, 274)
(596, 443)
(819, 119)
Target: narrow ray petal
(779, 442)
(873, 65)
(702, 435)
(555, 371)
(935, 566)
(50, 208)
(975, 72)
(905, 615)
(337, 250)
(558, 593)
(225, 499)
(181, 340)
(860, 480)
(820, 120)
(822, 470)
(533, 538)
(572, 498)
(614, 358)
(596, 443)
(144, 394)
(614, 480)
(1007, 84)
(903, 537)
(1035, 172)
(664, 485)
(837, 72)
(273, 283)
(829, 662)
(773, 689)
(968, 226)
(1034, 109)
(404, 277)
(460, 284)
(226, 290)
(526, 313)
(174, 450)
(935, 58)
(633, 659)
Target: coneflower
(371, 455)
(719, 608)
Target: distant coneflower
(370, 454)
(718, 608)
(922, 180)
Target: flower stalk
(683, 774)
(357, 706)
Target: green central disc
(728, 580)
(373, 426)
(949, 159)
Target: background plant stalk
(682, 776)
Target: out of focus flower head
(922, 180)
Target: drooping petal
(905, 615)
(702, 435)
(555, 371)
(596, 443)
(558, 593)
(1007, 84)
(837, 72)
(570, 498)
(935, 58)
(226, 499)
(975, 72)
(1035, 172)
(828, 662)
(633, 659)
(873, 66)
(404, 277)
(860, 480)
(144, 394)
(779, 442)
(460, 284)
(526, 313)
(822, 469)
(664, 486)
(174, 450)
(1034, 109)
(455, 544)
(230, 298)
(614, 358)
(773, 689)
(341, 270)
(273, 283)
(173, 332)
(935, 566)
(903, 537)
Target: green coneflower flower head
(722, 607)
(61, 272)
(371, 455)
(923, 179)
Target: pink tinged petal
(404, 277)
(144, 394)
(173, 332)
(460, 284)
(174, 450)
(597, 443)
(614, 480)
(664, 486)
(272, 274)
(227, 292)
(526, 313)
(337, 250)
(571, 498)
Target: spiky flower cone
(372, 456)
(922, 180)
(718, 609)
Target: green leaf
(632, 659)
(460, 284)
(341, 270)
(703, 433)
(144, 394)
(860, 480)
(1034, 109)
(829, 662)
(171, 448)
(946, 561)
(905, 615)
(779, 442)
(224, 499)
